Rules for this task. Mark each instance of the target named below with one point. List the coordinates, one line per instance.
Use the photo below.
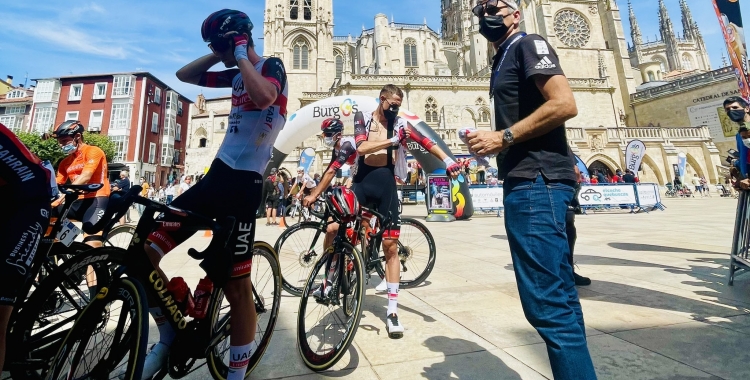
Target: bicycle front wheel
(108, 339)
(299, 247)
(266, 279)
(328, 321)
(416, 253)
(120, 236)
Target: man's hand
(403, 134)
(484, 143)
(309, 200)
(240, 45)
(744, 184)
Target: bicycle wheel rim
(297, 255)
(267, 284)
(120, 236)
(324, 332)
(417, 253)
(123, 327)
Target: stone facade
(446, 79)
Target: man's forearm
(437, 152)
(549, 116)
(261, 91)
(324, 182)
(191, 73)
(83, 178)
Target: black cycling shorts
(221, 193)
(378, 189)
(88, 211)
(25, 191)
(272, 203)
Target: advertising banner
(681, 164)
(582, 167)
(306, 159)
(713, 116)
(648, 194)
(730, 19)
(634, 155)
(593, 195)
(486, 197)
(439, 193)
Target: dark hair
(391, 89)
(735, 99)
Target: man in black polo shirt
(532, 101)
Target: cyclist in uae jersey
(84, 164)
(233, 185)
(378, 135)
(25, 193)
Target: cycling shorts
(88, 211)
(378, 189)
(223, 192)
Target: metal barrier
(637, 197)
(739, 261)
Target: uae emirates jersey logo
(545, 63)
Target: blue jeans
(535, 224)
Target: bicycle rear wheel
(416, 251)
(120, 236)
(299, 247)
(108, 339)
(326, 325)
(266, 279)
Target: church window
(410, 53)
(572, 28)
(651, 76)
(339, 65)
(484, 116)
(293, 9)
(300, 54)
(307, 10)
(687, 62)
(662, 63)
(202, 142)
(430, 107)
(480, 101)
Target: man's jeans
(535, 224)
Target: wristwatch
(508, 136)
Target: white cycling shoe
(395, 328)
(382, 287)
(317, 294)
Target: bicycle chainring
(189, 346)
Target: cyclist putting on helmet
(259, 98)
(380, 137)
(26, 184)
(84, 164)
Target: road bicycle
(110, 335)
(331, 300)
(295, 213)
(300, 246)
(53, 297)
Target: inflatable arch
(306, 122)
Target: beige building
(445, 76)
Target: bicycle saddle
(87, 188)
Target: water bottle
(182, 296)
(202, 297)
(481, 160)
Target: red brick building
(146, 119)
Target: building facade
(15, 106)
(445, 76)
(145, 118)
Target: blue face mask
(69, 148)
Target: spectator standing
(144, 193)
(705, 186)
(594, 180)
(697, 184)
(600, 177)
(123, 184)
(616, 177)
(272, 198)
(169, 193)
(629, 177)
(187, 184)
(532, 100)
(480, 174)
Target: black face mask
(493, 28)
(736, 116)
(391, 112)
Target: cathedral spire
(689, 27)
(668, 37)
(635, 33)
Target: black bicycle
(52, 296)
(109, 337)
(300, 246)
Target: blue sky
(63, 37)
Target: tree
(50, 150)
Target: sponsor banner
(681, 165)
(730, 19)
(306, 159)
(648, 194)
(594, 195)
(439, 193)
(486, 197)
(582, 167)
(713, 116)
(634, 155)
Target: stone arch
(605, 160)
(468, 118)
(662, 63)
(200, 133)
(651, 164)
(697, 169)
(688, 63)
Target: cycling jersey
(25, 187)
(308, 181)
(345, 155)
(252, 131)
(87, 158)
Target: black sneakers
(580, 280)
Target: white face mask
(329, 141)
(746, 142)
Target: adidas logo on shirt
(545, 63)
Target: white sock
(239, 356)
(392, 298)
(166, 331)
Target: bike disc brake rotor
(307, 258)
(52, 305)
